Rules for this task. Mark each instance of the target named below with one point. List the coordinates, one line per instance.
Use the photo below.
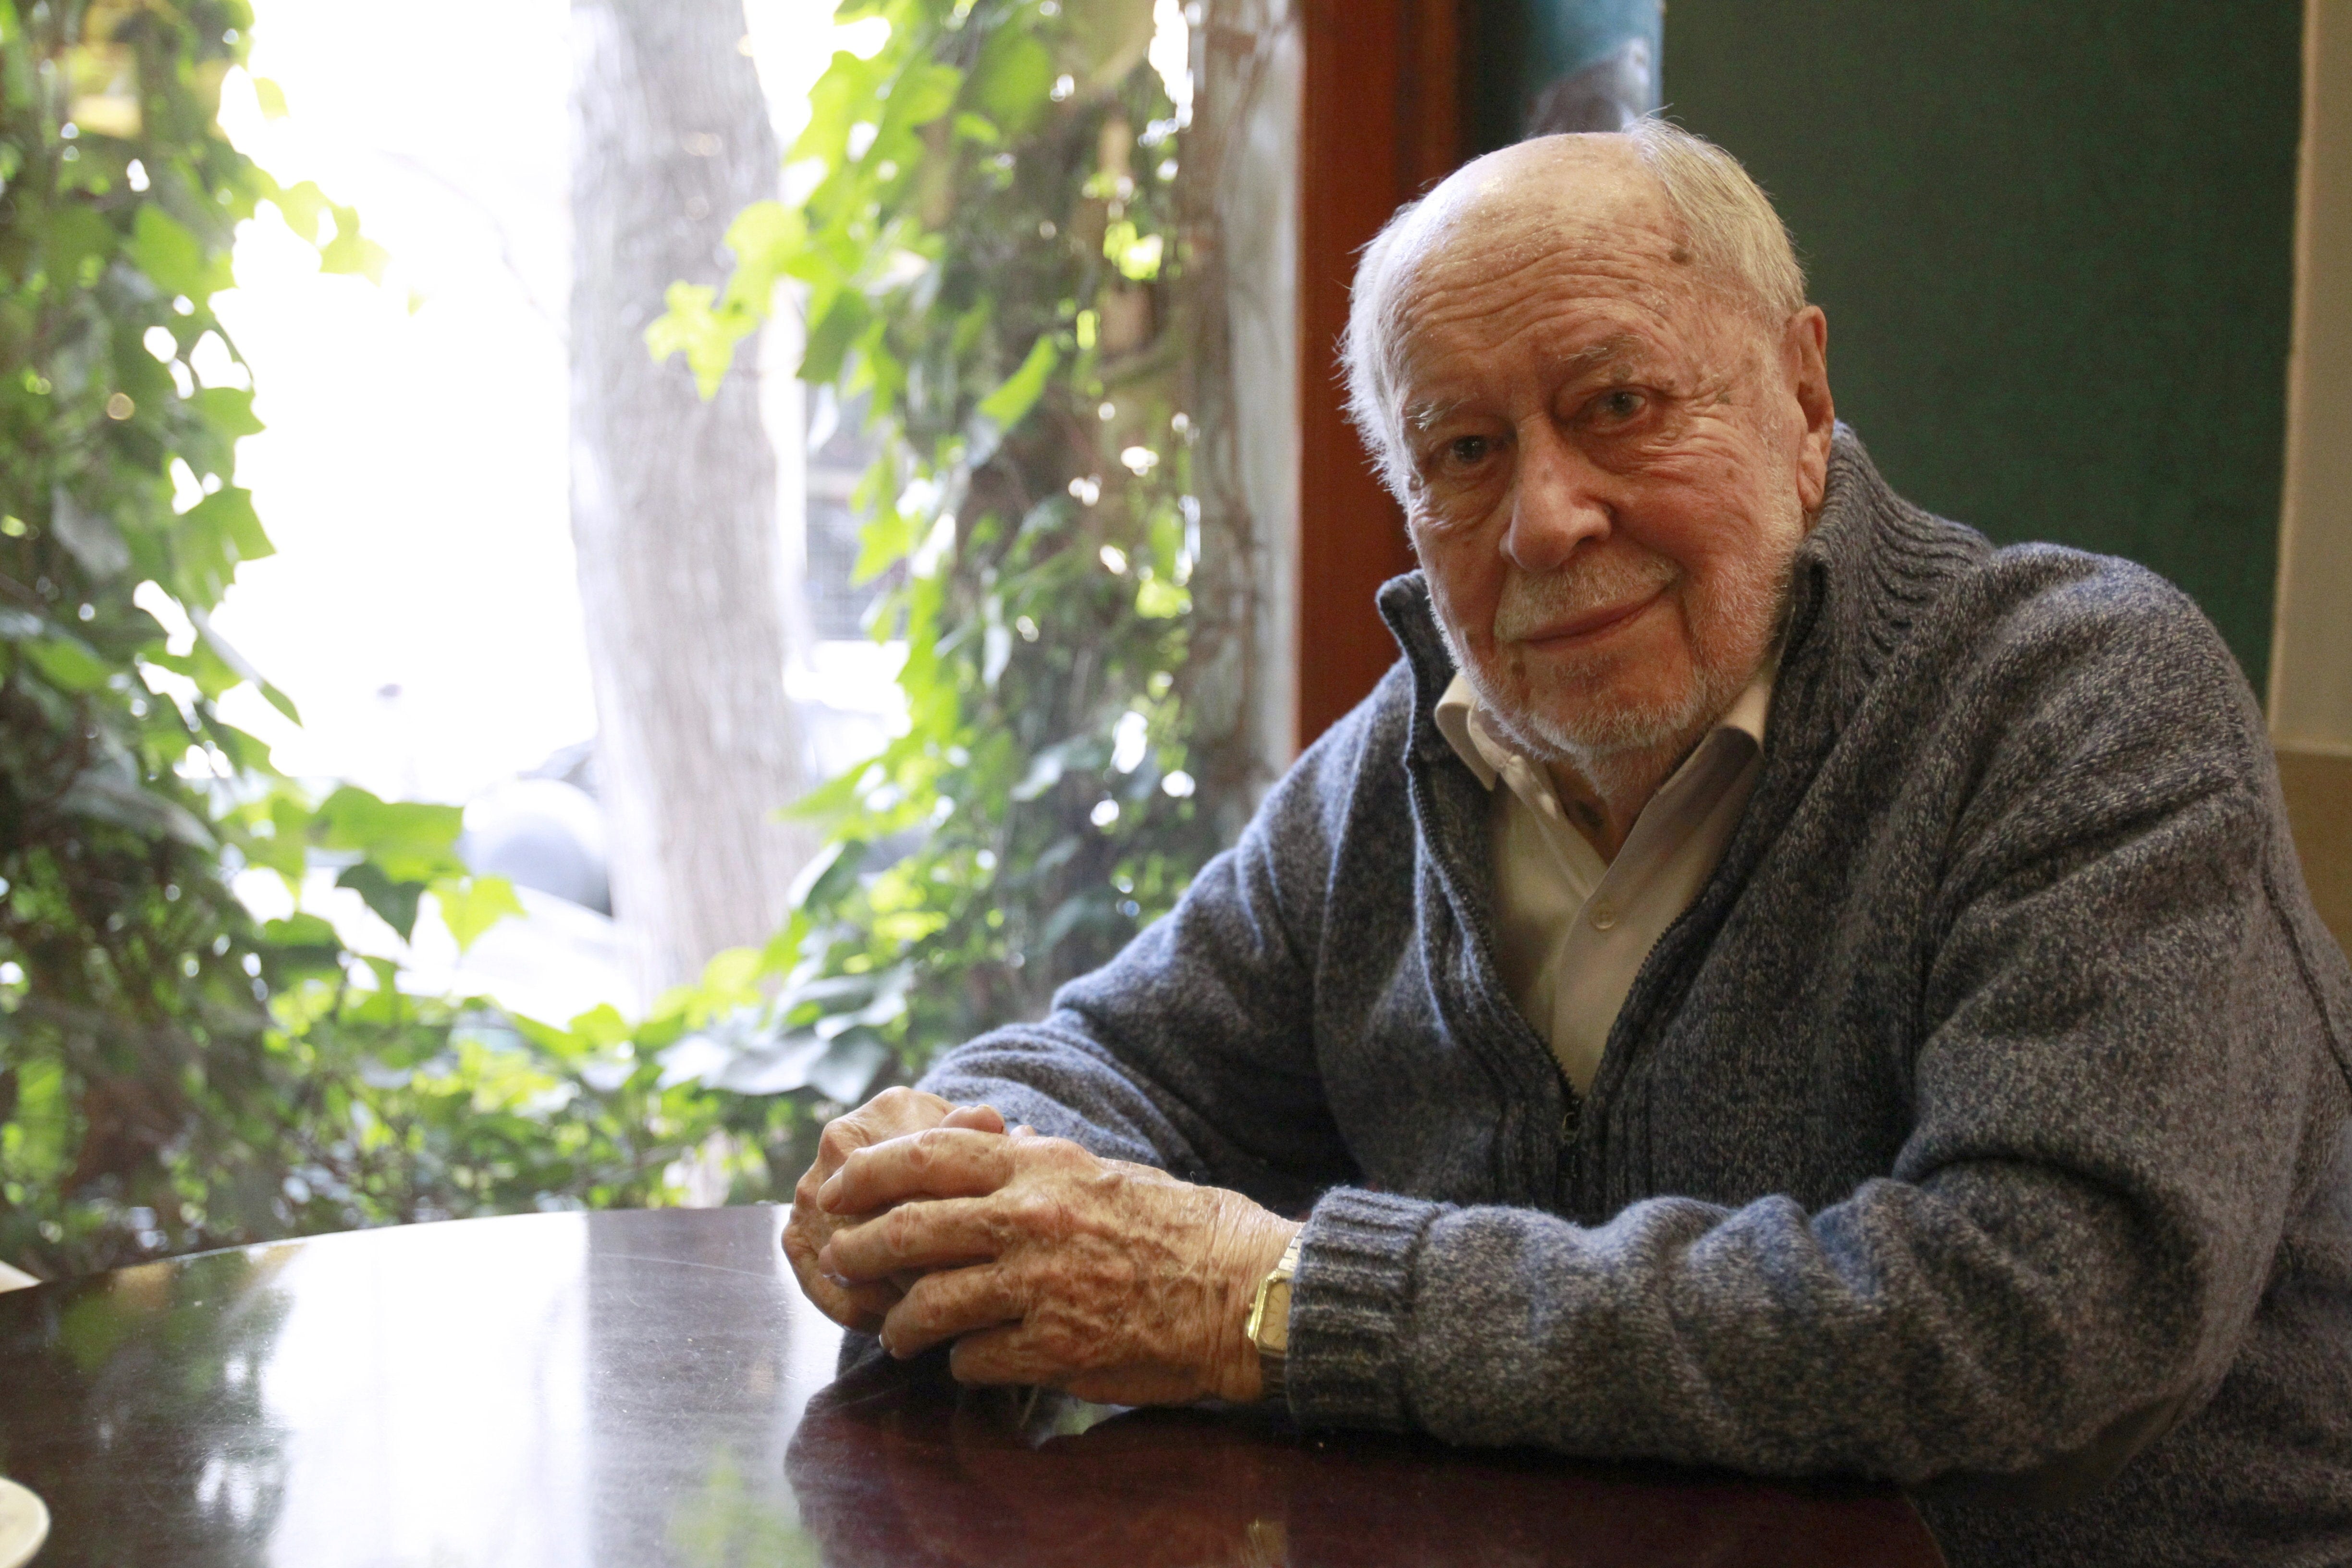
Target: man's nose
(1557, 502)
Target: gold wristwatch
(1269, 1321)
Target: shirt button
(1605, 916)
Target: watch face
(1273, 1334)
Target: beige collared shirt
(1570, 930)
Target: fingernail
(840, 1281)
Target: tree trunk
(673, 501)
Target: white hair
(1730, 233)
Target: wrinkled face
(1611, 463)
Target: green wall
(2054, 238)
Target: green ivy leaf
(201, 665)
(351, 252)
(300, 929)
(1013, 82)
(171, 256)
(77, 234)
(228, 410)
(284, 848)
(845, 321)
(692, 328)
(408, 840)
(304, 943)
(557, 1043)
(302, 206)
(882, 543)
(1010, 403)
(213, 538)
(244, 753)
(1157, 599)
(766, 237)
(394, 901)
(840, 96)
(70, 663)
(472, 905)
(923, 91)
(601, 1028)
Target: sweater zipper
(1492, 994)
(1619, 1037)
(1571, 1115)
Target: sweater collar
(1871, 562)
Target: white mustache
(1530, 604)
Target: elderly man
(1767, 980)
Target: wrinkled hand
(893, 1113)
(1049, 1265)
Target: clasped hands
(928, 1222)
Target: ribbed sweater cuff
(1351, 1309)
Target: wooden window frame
(1380, 123)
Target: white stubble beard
(1746, 613)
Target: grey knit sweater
(1982, 1124)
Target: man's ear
(1805, 359)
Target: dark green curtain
(2054, 242)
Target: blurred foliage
(175, 1074)
(989, 263)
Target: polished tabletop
(646, 1389)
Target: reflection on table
(650, 1389)
(893, 1470)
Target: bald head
(1528, 198)
(1653, 196)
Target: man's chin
(1601, 737)
(1581, 723)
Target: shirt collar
(1461, 719)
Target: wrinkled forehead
(1567, 281)
(1544, 247)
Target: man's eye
(1467, 451)
(1617, 408)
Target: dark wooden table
(647, 1389)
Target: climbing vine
(991, 264)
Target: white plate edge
(16, 1553)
